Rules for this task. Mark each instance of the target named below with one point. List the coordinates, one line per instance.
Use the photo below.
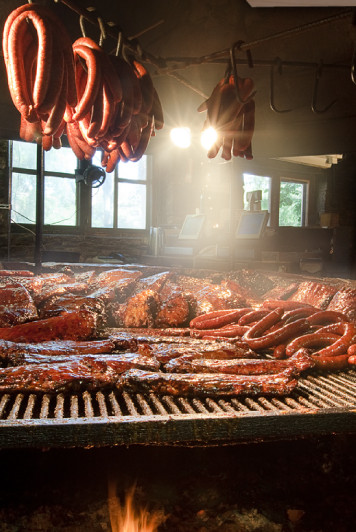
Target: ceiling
(172, 33)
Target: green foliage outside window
(291, 204)
(291, 198)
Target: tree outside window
(121, 201)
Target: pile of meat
(170, 333)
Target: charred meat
(83, 373)
(206, 384)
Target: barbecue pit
(322, 404)
(184, 452)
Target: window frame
(280, 171)
(117, 179)
(83, 201)
(305, 200)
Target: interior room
(177, 265)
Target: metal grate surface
(321, 404)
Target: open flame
(130, 518)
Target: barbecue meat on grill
(174, 312)
(151, 334)
(176, 307)
(345, 301)
(217, 297)
(153, 282)
(16, 305)
(256, 282)
(63, 303)
(75, 325)
(206, 384)
(114, 277)
(281, 291)
(12, 353)
(61, 350)
(315, 294)
(240, 296)
(37, 283)
(139, 311)
(85, 373)
(164, 352)
(48, 292)
(186, 364)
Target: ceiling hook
(276, 65)
(318, 74)
(353, 61)
(100, 22)
(237, 45)
(82, 27)
(102, 31)
(353, 66)
(119, 43)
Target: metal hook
(276, 64)
(119, 43)
(82, 27)
(102, 31)
(314, 108)
(353, 62)
(353, 66)
(234, 70)
(101, 25)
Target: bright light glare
(181, 137)
(208, 137)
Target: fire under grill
(321, 404)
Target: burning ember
(130, 518)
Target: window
(292, 203)
(119, 203)
(256, 182)
(122, 201)
(60, 191)
(284, 198)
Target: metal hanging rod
(113, 30)
(222, 55)
(280, 35)
(179, 63)
(168, 65)
(297, 30)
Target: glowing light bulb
(208, 138)
(181, 137)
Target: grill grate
(321, 404)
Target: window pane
(291, 204)
(102, 211)
(60, 201)
(24, 155)
(23, 198)
(96, 159)
(256, 182)
(133, 171)
(62, 160)
(131, 206)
